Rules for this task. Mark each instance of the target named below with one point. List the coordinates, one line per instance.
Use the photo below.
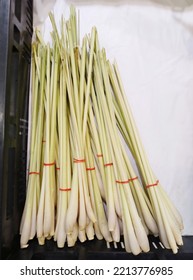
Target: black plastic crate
(99, 250)
(15, 55)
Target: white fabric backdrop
(153, 46)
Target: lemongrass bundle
(77, 210)
(28, 224)
(81, 183)
(64, 165)
(167, 216)
(46, 211)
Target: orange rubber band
(57, 168)
(100, 155)
(108, 164)
(49, 164)
(90, 168)
(79, 160)
(34, 172)
(64, 190)
(127, 181)
(152, 185)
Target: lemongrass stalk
(50, 156)
(82, 75)
(82, 234)
(117, 201)
(72, 211)
(71, 239)
(90, 230)
(95, 194)
(26, 223)
(97, 231)
(53, 117)
(56, 33)
(73, 21)
(126, 236)
(40, 234)
(131, 242)
(62, 127)
(120, 224)
(34, 214)
(46, 170)
(58, 156)
(57, 178)
(90, 67)
(116, 232)
(90, 183)
(74, 75)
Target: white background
(153, 46)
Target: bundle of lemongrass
(81, 183)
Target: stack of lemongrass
(81, 183)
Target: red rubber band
(132, 179)
(153, 185)
(34, 172)
(127, 181)
(57, 168)
(79, 160)
(100, 155)
(90, 168)
(108, 164)
(49, 164)
(122, 182)
(65, 190)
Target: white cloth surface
(153, 46)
